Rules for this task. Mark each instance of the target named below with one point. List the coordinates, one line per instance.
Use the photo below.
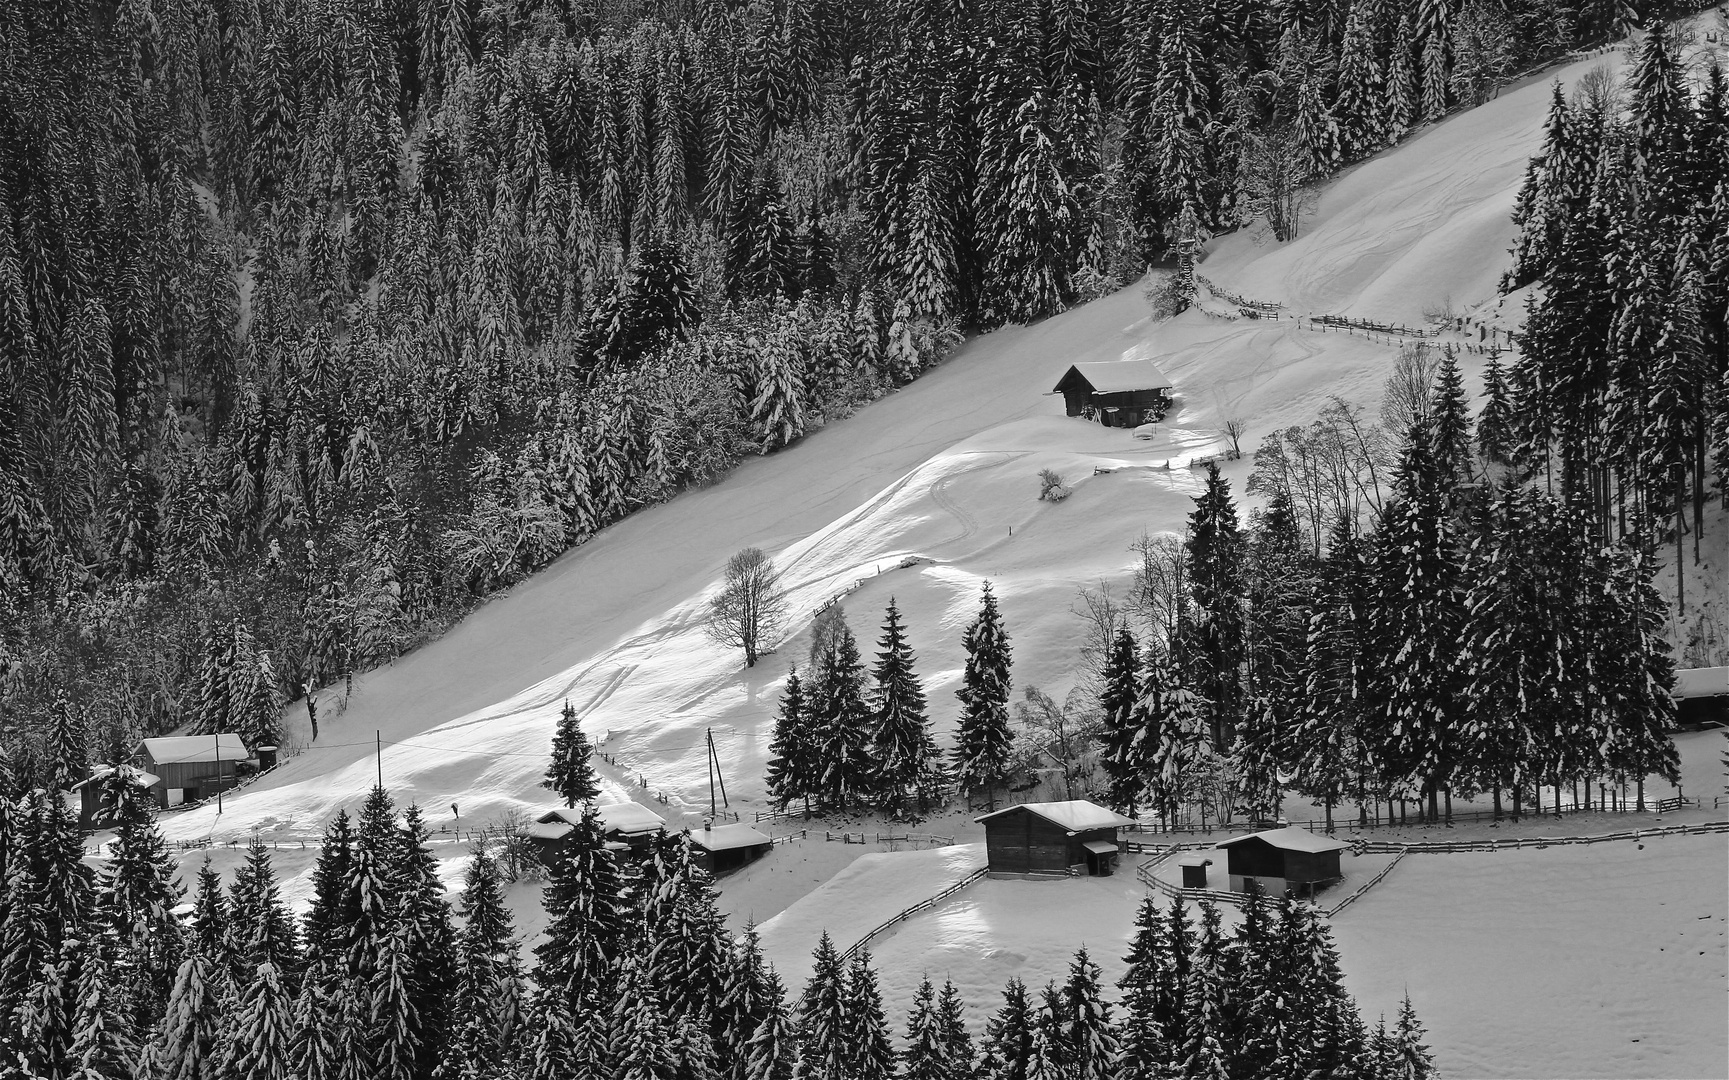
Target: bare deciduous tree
(750, 607)
(1161, 582)
(1064, 733)
(1410, 388)
(1329, 470)
(1235, 426)
(1103, 615)
(1270, 180)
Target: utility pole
(709, 734)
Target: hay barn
(1119, 393)
(1052, 838)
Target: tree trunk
(1449, 807)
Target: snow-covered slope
(940, 475)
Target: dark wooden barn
(1283, 860)
(1052, 838)
(193, 767)
(721, 849)
(1119, 393)
(1701, 696)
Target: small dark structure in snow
(95, 794)
(1074, 836)
(1194, 870)
(721, 849)
(193, 767)
(1283, 860)
(1701, 696)
(1121, 393)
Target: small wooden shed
(1052, 838)
(1701, 696)
(721, 849)
(1282, 860)
(1120, 393)
(193, 767)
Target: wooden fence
(1371, 883)
(922, 905)
(1147, 872)
(888, 838)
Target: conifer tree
(137, 898)
(187, 1045)
(571, 773)
(262, 1042)
(841, 723)
(326, 923)
(1090, 1037)
(743, 1004)
(1122, 753)
(951, 1025)
(1214, 643)
(210, 919)
(983, 738)
(793, 763)
(869, 1055)
(1495, 421)
(1008, 1046)
(925, 1057)
(588, 914)
(1412, 1059)
(68, 758)
(902, 746)
(260, 928)
(826, 1051)
(1451, 419)
(773, 1050)
(104, 1036)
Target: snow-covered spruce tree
(261, 930)
(924, 1057)
(68, 752)
(1331, 744)
(1495, 421)
(1416, 614)
(1121, 754)
(1213, 644)
(743, 1003)
(1049, 1055)
(902, 744)
(187, 1044)
(422, 916)
(773, 1050)
(589, 915)
(571, 773)
(792, 763)
(1008, 1043)
(825, 1024)
(1091, 1037)
(1171, 730)
(983, 737)
(841, 723)
(869, 1054)
(778, 409)
(209, 923)
(951, 1024)
(326, 924)
(261, 1043)
(1279, 572)
(104, 1027)
(1361, 102)
(641, 1044)
(136, 898)
(1412, 1060)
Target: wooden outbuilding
(1052, 838)
(1119, 393)
(628, 828)
(721, 849)
(193, 767)
(96, 802)
(1282, 860)
(1701, 696)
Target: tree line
(327, 317)
(384, 978)
(1620, 394)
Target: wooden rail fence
(922, 905)
(1371, 883)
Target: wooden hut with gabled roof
(1282, 860)
(1052, 838)
(1121, 393)
(193, 767)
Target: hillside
(922, 495)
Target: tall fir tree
(903, 747)
(571, 774)
(984, 739)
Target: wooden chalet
(1282, 860)
(96, 793)
(721, 849)
(630, 823)
(1119, 393)
(193, 767)
(1701, 696)
(1052, 838)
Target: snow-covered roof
(629, 818)
(1290, 838)
(135, 775)
(548, 830)
(1118, 376)
(184, 748)
(728, 837)
(1701, 682)
(567, 815)
(1075, 815)
(1100, 847)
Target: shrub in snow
(1051, 486)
